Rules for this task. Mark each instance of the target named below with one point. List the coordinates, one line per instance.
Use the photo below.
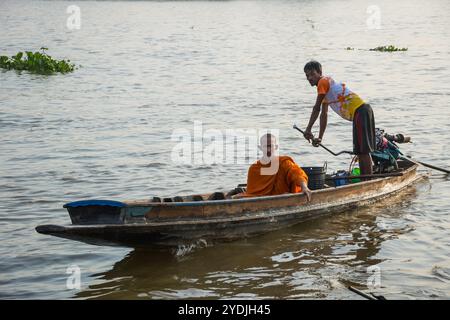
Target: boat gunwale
(146, 203)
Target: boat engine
(387, 151)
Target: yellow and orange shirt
(339, 97)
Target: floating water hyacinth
(381, 49)
(36, 62)
(390, 48)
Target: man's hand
(316, 142)
(308, 135)
(308, 193)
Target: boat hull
(142, 222)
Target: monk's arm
(301, 180)
(303, 184)
(296, 174)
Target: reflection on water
(310, 260)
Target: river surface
(150, 68)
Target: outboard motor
(387, 151)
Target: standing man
(349, 106)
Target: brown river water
(151, 68)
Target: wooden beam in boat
(365, 176)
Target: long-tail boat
(172, 221)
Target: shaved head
(268, 139)
(268, 145)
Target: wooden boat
(142, 222)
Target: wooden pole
(362, 294)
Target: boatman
(273, 175)
(349, 106)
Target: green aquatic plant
(36, 62)
(390, 48)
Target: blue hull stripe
(84, 203)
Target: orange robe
(285, 180)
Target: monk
(287, 176)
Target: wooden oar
(427, 165)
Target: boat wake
(182, 250)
